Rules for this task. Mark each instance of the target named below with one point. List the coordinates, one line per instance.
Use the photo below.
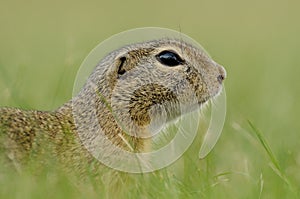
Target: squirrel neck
(80, 117)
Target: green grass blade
(274, 162)
(266, 146)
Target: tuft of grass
(274, 164)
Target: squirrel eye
(169, 58)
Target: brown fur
(121, 91)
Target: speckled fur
(127, 82)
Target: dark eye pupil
(169, 58)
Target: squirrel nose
(220, 78)
(222, 74)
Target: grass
(188, 177)
(43, 45)
(274, 164)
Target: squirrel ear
(125, 63)
(119, 68)
(121, 65)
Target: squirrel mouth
(203, 101)
(211, 95)
(217, 92)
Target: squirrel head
(148, 84)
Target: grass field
(42, 44)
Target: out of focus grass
(42, 45)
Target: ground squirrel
(131, 87)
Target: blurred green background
(42, 44)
